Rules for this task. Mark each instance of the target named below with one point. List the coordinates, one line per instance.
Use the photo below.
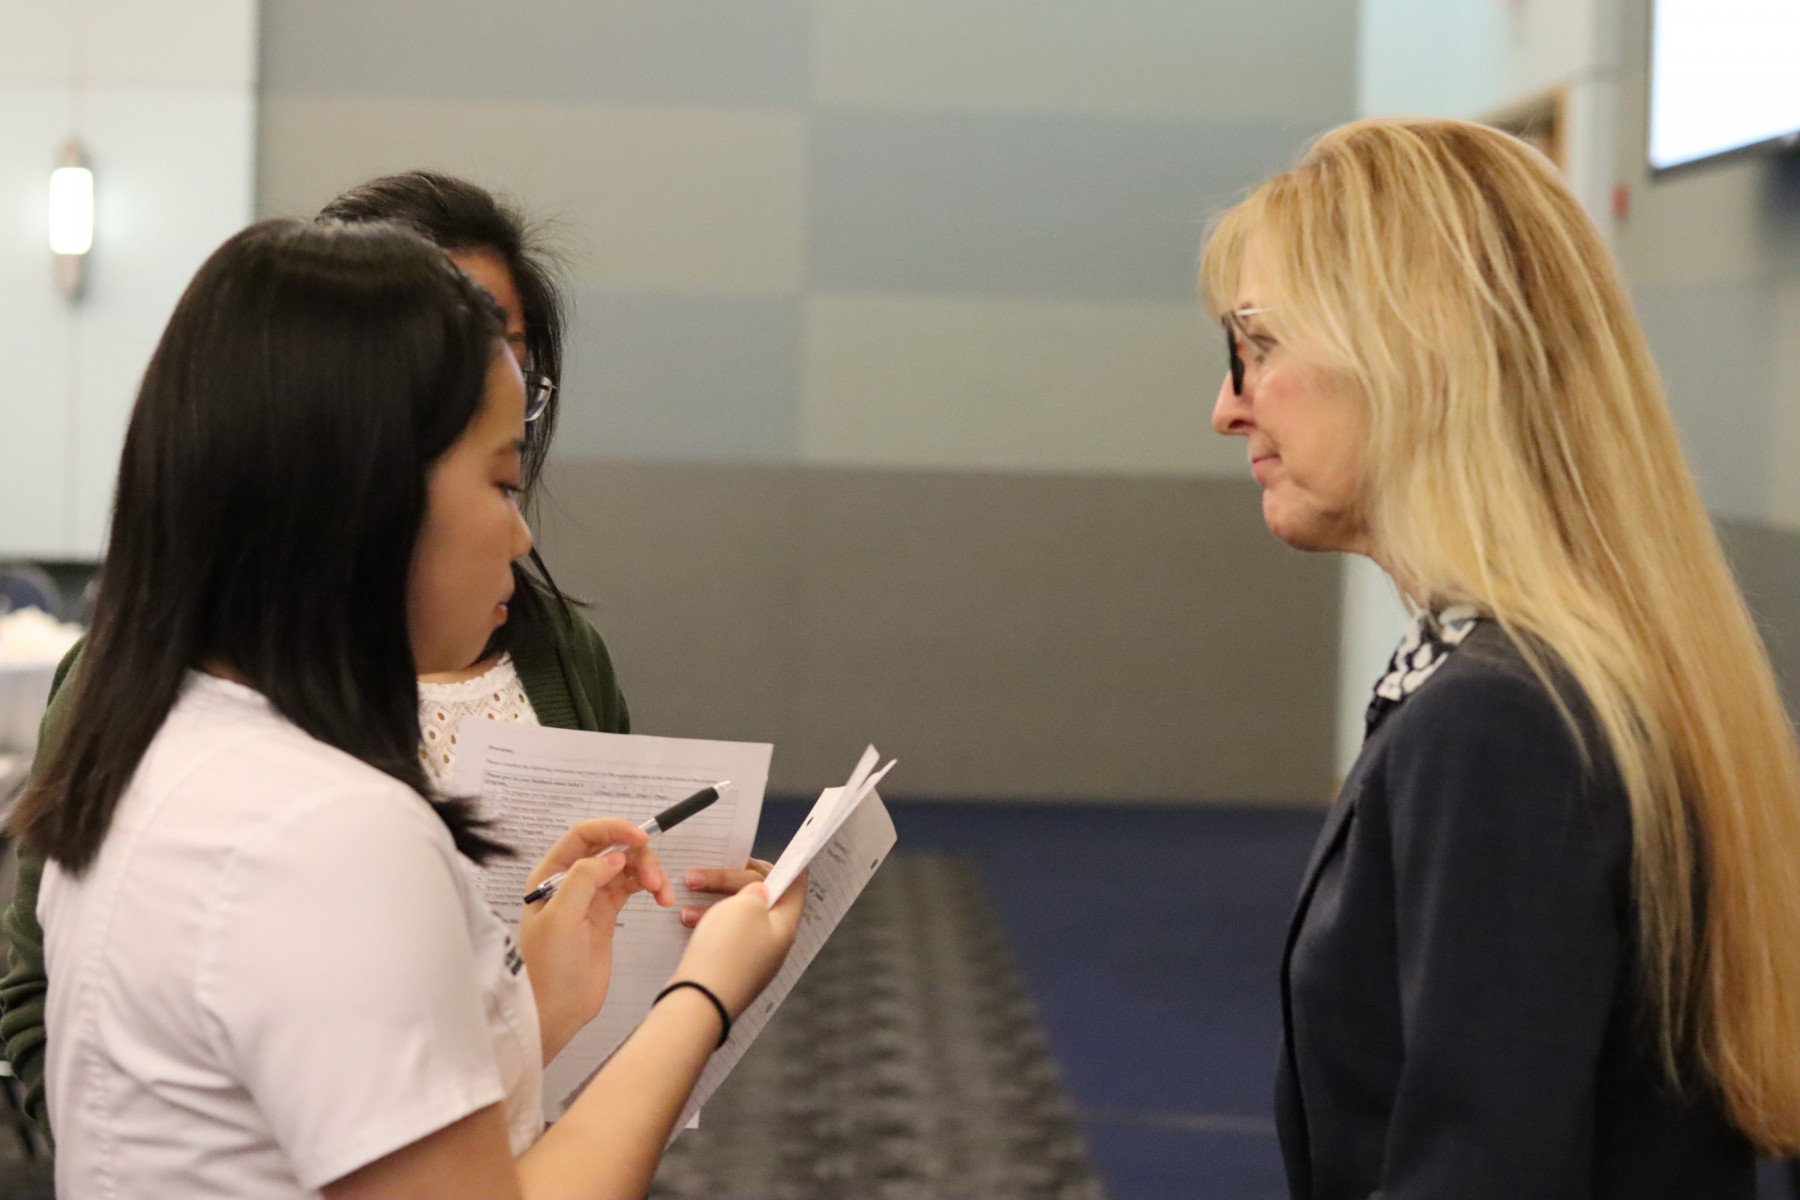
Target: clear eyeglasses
(538, 390)
(1233, 332)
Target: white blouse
(496, 695)
(276, 971)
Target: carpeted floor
(906, 1065)
(1147, 939)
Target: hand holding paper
(839, 846)
(828, 815)
(535, 782)
(740, 943)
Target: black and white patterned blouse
(1427, 643)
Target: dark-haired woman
(270, 975)
(545, 665)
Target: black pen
(662, 822)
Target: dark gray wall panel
(629, 51)
(683, 377)
(1082, 637)
(1067, 207)
(693, 574)
(1767, 564)
(1712, 343)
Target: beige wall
(886, 411)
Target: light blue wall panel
(1062, 207)
(682, 377)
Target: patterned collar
(1427, 644)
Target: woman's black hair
(460, 215)
(271, 492)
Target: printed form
(535, 782)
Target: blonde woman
(1548, 945)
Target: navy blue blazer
(1459, 991)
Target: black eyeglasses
(538, 390)
(1232, 333)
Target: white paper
(535, 782)
(841, 868)
(828, 814)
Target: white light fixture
(71, 218)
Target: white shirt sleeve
(338, 971)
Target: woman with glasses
(271, 974)
(546, 664)
(1546, 944)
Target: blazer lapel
(1337, 821)
(1290, 1113)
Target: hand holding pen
(567, 942)
(662, 822)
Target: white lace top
(495, 694)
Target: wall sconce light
(71, 218)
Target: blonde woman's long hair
(1520, 455)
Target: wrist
(699, 991)
(562, 1009)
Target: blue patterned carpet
(1148, 938)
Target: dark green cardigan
(567, 675)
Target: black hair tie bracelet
(724, 1016)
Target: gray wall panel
(1712, 342)
(683, 377)
(630, 51)
(1076, 207)
(691, 572)
(1004, 636)
(1767, 564)
(1284, 58)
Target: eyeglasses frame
(538, 390)
(1231, 319)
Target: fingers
(786, 913)
(583, 839)
(720, 881)
(648, 871)
(584, 881)
(796, 891)
(784, 916)
(656, 881)
(724, 881)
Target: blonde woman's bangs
(1222, 258)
